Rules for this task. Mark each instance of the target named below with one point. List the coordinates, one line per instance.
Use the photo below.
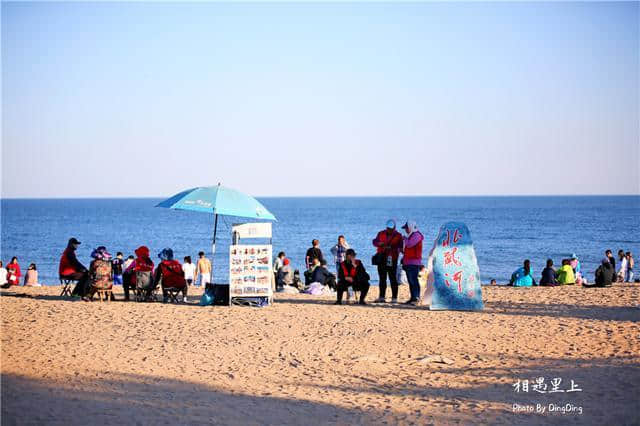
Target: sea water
(505, 230)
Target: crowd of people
(392, 250)
(570, 272)
(351, 276)
(136, 273)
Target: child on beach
(189, 270)
(117, 265)
(31, 277)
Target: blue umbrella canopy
(218, 200)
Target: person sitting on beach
(278, 263)
(71, 269)
(3, 277)
(313, 253)
(203, 270)
(322, 275)
(100, 272)
(549, 275)
(604, 275)
(285, 274)
(31, 277)
(352, 274)
(308, 274)
(565, 273)
(13, 272)
(577, 268)
(522, 277)
(169, 274)
(141, 271)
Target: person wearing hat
(100, 272)
(412, 259)
(169, 274)
(71, 269)
(388, 244)
(352, 274)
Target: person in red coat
(71, 269)
(169, 274)
(388, 244)
(13, 272)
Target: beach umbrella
(218, 200)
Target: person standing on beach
(412, 259)
(117, 267)
(313, 252)
(630, 265)
(189, 270)
(338, 251)
(203, 270)
(622, 272)
(388, 244)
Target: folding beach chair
(172, 293)
(66, 283)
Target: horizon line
(330, 196)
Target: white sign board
(250, 272)
(252, 230)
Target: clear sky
(146, 99)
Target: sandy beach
(304, 361)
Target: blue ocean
(505, 230)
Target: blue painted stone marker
(455, 273)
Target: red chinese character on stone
(450, 257)
(445, 242)
(457, 236)
(457, 277)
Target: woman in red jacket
(13, 272)
(169, 274)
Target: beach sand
(304, 361)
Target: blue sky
(146, 99)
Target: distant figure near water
(548, 278)
(522, 277)
(13, 272)
(31, 277)
(565, 273)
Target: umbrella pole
(213, 247)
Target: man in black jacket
(604, 274)
(352, 273)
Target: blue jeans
(412, 276)
(629, 277)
